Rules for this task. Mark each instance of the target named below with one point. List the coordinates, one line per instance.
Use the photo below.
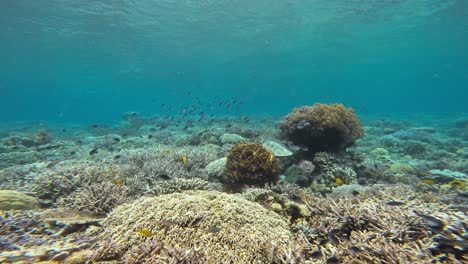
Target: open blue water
(88, 61)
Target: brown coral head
(322, 127)
(249, 163)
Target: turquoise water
(89, 61)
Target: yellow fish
(184, 159)
(339, 181)
(428, 181)
(145, 232)
(457, 184)
(166, 151)
(118, 181)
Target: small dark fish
(316, 254)
(354, 250)
(72, 152)
(53, 164)
(93, 151)
(213, 229)
(117, 140)
(395, 203)
(196, 221)
(433, 222)
(333, 239)
(64, 130)
(149, 135)
(229, 125)
(94, 126)
(117, 157)
(333, 260)
(356, 193)
(203, 132)
(152, 129)
(163, 126)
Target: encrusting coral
(249, 163)
(322, 127)
(225, 227)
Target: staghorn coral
(370, 227)
(165, 162)
(227, 228)
(251, 164)
(322, 127)
(13, 200)
(156, 252)
(27, 238)
(179, 185)
(48, 183)
(96, 198)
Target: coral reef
(331, 174)
(179, 185)
(249, 163)
(164, 162)
(301, 173)
(322, 127)
(226, 228)
(27, 238)
(365, 227)
(96, 197)
(14, 200)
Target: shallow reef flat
(317, 186)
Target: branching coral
(179, 185)
(322, 127)
(48, 184)
(97, 198)
(164, 162)
(250, 163)
(156, 252)
(382, 224)
(227, 228)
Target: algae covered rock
(13, 200)
(225, 227)
(216, 168)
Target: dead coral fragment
(322, 127)
(252, 164)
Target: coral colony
(320, 186)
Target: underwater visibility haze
(234, 131)
(91, 60)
